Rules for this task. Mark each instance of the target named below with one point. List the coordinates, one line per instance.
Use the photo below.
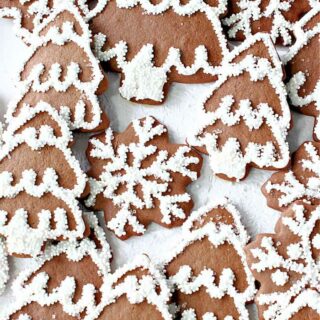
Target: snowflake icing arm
(139, 175)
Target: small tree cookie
(303, 68)
(138, 177)
(246, 116)
(65, 282)
(154, 44)
(287, 266)
(136, 291)
(276, 17)
(300, 182)
(40, 181)
(62, 71)
(208, 269)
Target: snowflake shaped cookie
(40, 181)
(246, 117)
(62, 71)
(303, 68)
(287, 265)
(138, 290)
(276, 17)
(192, 45)
(138, 177)
(65, 281)
(300, 182)
(208, 271)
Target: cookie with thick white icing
(62, 71)
(154, 44)
(65, 282)
(303, 68)
(275, 17)
(245, 117)
(207, 270)
(4, 266)
(138, 177)
(286, 264)
(40, 181)
(300, 182)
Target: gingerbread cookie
(300, 182)
(40, 181)
(136, 291)
(303, 68)
(62, 71)
(4, 266)
(275, 17)
(154, 44)
(246, 116)
(138, 177)
(208, 270)
(65, 282)
(286, 264)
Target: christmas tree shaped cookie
(62, 71)
(208, 269)
(154, 44)
(300, 182)
(138, 177)
(246, 117)
(286, 264)
(65, 282)
(40, 181)
(303, 68)
(136, 291)
(276, 17)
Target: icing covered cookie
(138, 177)
(62, 71)
(136, 291)
(208, 270)
(303, 68)
(40, 181)
(276, 17)
(4, 266)
(246, 117)
(65, 282)
(154, 44)
(300, 182)
(286, 264)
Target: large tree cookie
(287, 265)
(303, 68)
(62, 71)
(246, 116)
(153, 44)
(208, 269)
(275, 17)
(136, 291)
(300, 182)
(40, 181)
(65, 282)
(138, 177)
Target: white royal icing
(218, 233)
(151, 288)
(62, 36)
(18, 234)
(134, 175)
(291, 188)
(4, 266)
(229, 159)
(298, 79)
(141, 67)
(250, 12)
(36, 290)
(303, 292)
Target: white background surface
(179, 114)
